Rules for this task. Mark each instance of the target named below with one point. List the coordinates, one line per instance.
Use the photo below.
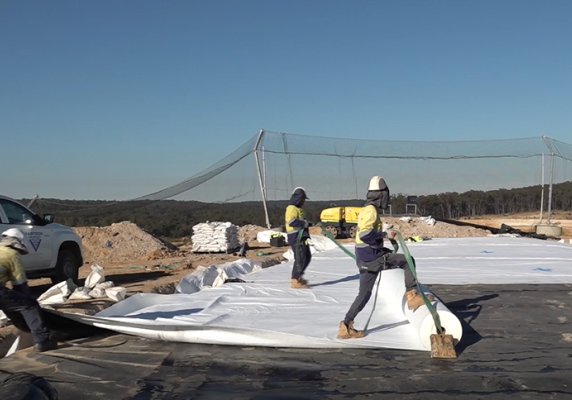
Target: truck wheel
(332, 230)
(352, 231)
(66, 268)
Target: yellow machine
(340, 221)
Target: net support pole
(264, 174)
(542, 190)
(259, 172)
(549, 212)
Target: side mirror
(49, 218)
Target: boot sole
(350, 337)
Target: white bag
(97, 293)
(95, 276)
(81, 293)
(202, 278)
(116, 293)
(105, 285)
(57, 294)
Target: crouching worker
(298, 235)
(16, 303)
(372, 258)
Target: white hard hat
(377, 183)
(14, 232)
(16, 240)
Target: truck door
(38, 235)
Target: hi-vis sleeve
(10, 268)
(369, 226)
(294, 218)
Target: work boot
(49, 344)
(348, 331)
(415, 300)
(299, 283)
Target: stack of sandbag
(215, 237)
(58, 293)
(96, 287)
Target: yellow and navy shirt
(294, 222)
(369, 238)
(11, 269)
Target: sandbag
(95, 276)
(81, 293)
(214, 237)
(58, 293)
(97, 293)
(116, 293)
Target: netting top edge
(538, 138)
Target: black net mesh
(340, 168)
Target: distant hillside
(170, 218)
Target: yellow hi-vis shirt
(369, 237)
(294, 223)
(295, 216)
(11, 269)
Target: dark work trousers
(302, 258)
(24, 312)
(367, 280)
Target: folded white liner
(265, 311)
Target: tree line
(173, 219)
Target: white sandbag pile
(215, 237)
(96, 287)
(58, 293)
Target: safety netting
(273, 163)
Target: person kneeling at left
(17, 303)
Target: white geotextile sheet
(264, 311)
(492, 260)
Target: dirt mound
(121, 242)
(249, 232)
(415, 226)
(418, 227)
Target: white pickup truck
(56, 249)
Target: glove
(306, 224)
(390, 233)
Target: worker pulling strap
(372, 258)
(442, 344)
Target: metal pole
(550, 189)
(542, 188)
(264, 172)
(33, 200)
(259, 172)
(289, 161)
(551, 178)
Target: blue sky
(117, 99)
